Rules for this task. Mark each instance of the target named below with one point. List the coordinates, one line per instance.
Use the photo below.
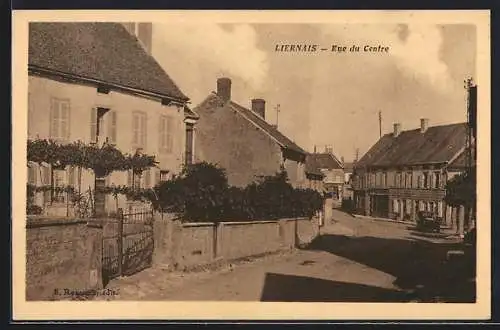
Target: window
(59, 119)
(111, 118)
(436, 180)
(32, 175)
(71, 176)
(420, 181)
(147, 178)
(395, 205)
(384, 179)
(399, 180)
(164, 175)
(96, 124)
(59, 182)
(408, 206)
(440, 209)
(166, 134)
(139, 128)
(157, 176)
(426, 180)
(409, 180)
(131, 179)
(30, 115)
(189, 144)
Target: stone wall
(62, 254)
(179, 246)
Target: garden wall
(62, 254)
(187, 245)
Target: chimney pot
(424, 124)
(397, 129)
(259, 107)
(224, 89)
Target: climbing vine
(103, 160)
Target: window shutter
(64, 121)
(71, 176)
(135, 129)
(112, 127)
(395, 205)
(32, 175)
(157, 177)
(54, 120)
(30, 115)
(129, 178)
(169, 134)
(143, 130)
(161, 135)
(440, 209)
(93, 125)
(46, 182)
(147, 178)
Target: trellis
(101, 160)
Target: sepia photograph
(254, 159)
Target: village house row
(99, 83)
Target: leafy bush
(461, 190)
(202, 193)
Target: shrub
(202, 193)
(198, 193)
(33, 209)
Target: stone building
(332, 169)
(407, 171)
(96, 83)
(241, 141)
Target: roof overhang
(107, 86)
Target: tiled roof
(105, 52)
(438, 144)
(316, 162)
(213, 101)
(348, 166)
(188, 113)
(268, 128)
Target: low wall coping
(235, 223)
(48, 221)
(198, 224)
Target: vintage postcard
(272, 165)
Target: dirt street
(354, 259)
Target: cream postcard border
(23, 310)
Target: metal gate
(128, 244)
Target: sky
(327, 98)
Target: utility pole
(277, 114)
(380, 124)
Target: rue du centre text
(334, 48)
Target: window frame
(142, 128)
(55, 124)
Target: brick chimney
(224, 89)
(259, 107)
(397, 129)
(424, 124)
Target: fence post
(120, 242)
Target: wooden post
(120, 241)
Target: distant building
(407, 171)
(348, 170)
(240, 140)
(93, 82)
(332, 170)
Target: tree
(461, 191)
